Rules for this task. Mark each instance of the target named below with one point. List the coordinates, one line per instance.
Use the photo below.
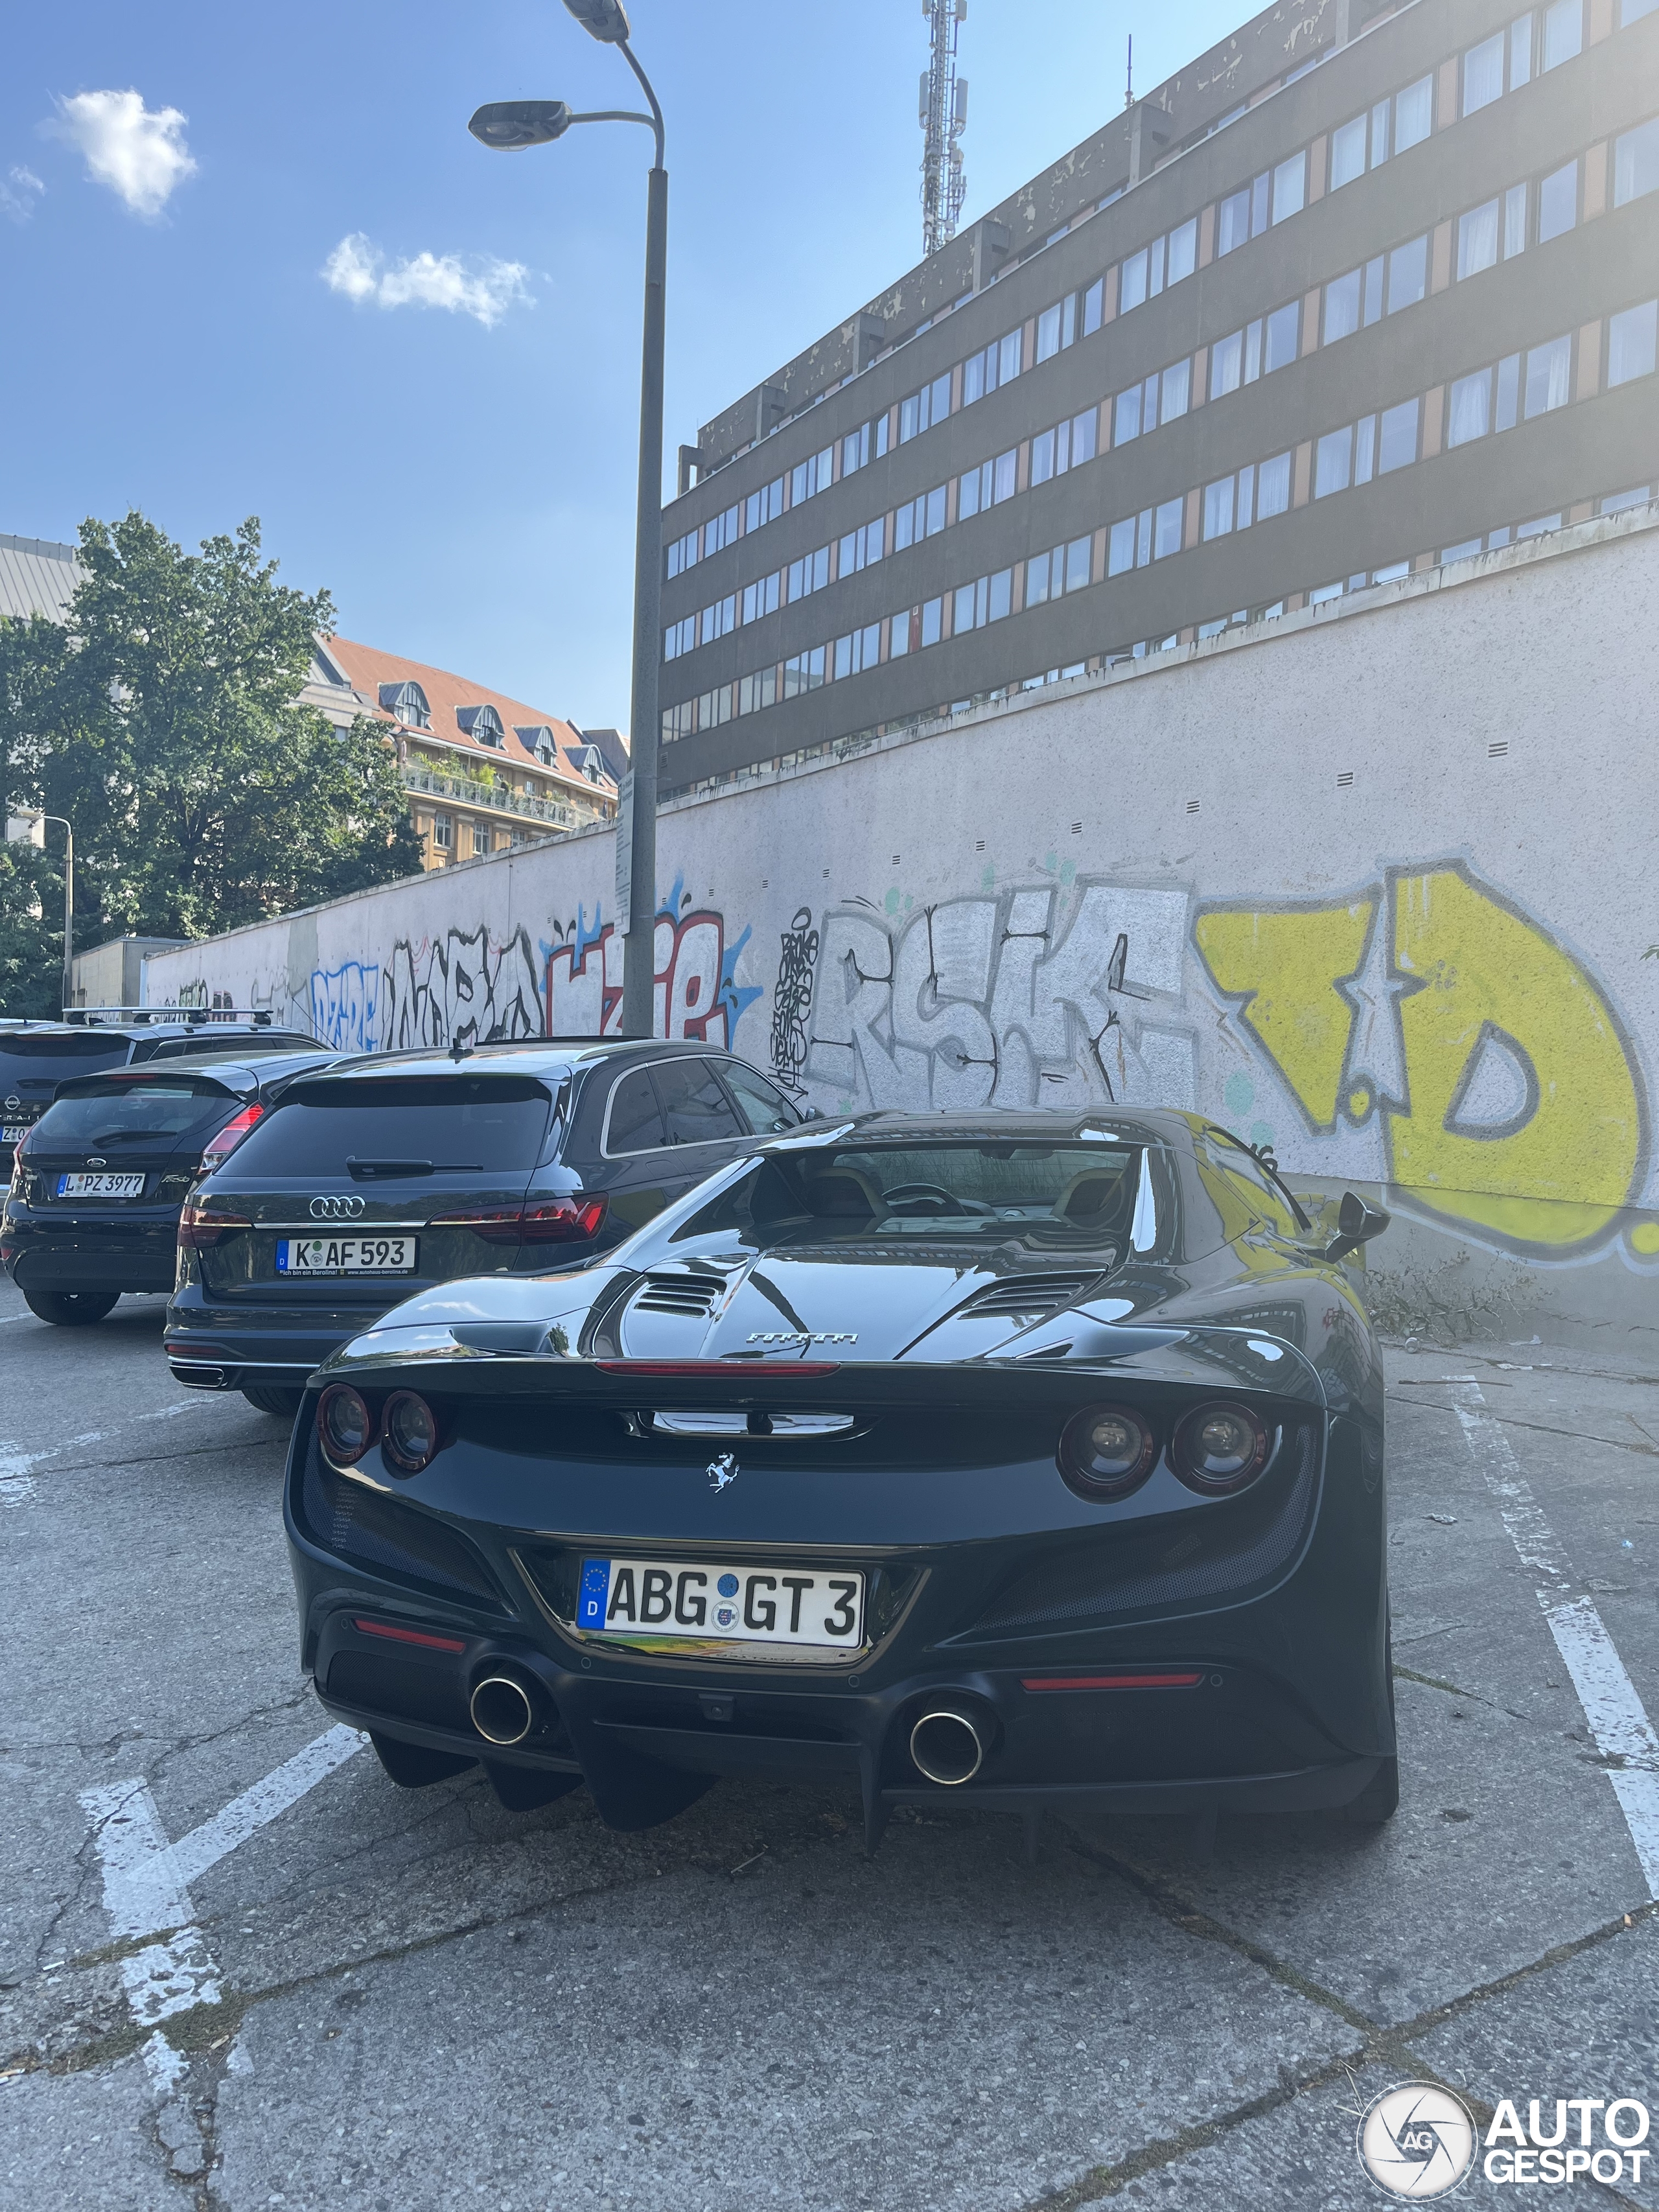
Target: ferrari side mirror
(1357, 1223)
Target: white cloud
(484, 289)
(19, 189)
(138, 152)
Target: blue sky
(461, 476)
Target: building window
(682, 552)
(1506, 411)
(1167, 527)
(759, 689)
(1056, 327)
(987, 600)
(1067, 445)
(407, 703)
(761, 597)
(1333, 459)
(1557, 201)
(1413, 114)
(919, 518)
(1289, 187)
(1549, 371)
(720, 619)
(1636, 161)
(720, 532)
(862, 546)
(932, 620)
(1342, 307)
(443, 833)
(1514, 222)
(1094, 300)
(1347, 153)
(1483, 73)
(1470, 415)
(1397, 449)
(804, 673)
(763, 505)
(984, 486)
(1217, 508)
(1564, 32)
(924, 408)
(1408, 274)
(1273, 487)
(1066, 568)
(997, 364)
(855, 450)
(859, 650)
(483, 724)
(811, 477)
(1630, 337)
(808, 574)
(1477, 240)
(1284, 331)
(1631, 11)
(1183, 256)
(679, 637)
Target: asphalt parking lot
(333, 1992)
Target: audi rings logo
(1417, 2139)
(336, 1209)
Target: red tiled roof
(367, 668)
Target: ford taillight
(220, 1147)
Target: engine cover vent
(693, 1297)
(1027, 1297)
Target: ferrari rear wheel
(412, 1766)
(71, 1308)
(267, 1398)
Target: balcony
(555, 814)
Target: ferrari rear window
(973, 1190)
(482, 1123)
(125, 1112)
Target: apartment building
(484, 772)
(1366, 288)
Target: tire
(411, 1767)
(71, 1308)
(1378, 1801)
(267, 1398)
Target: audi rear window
(120, 1111)
(487, 1124)
(29, 1064)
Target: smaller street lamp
(69, 907)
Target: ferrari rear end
(1141, 1570)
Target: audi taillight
(574, 1220)
(1219, 1447)
(220, 1147)
(345, 1424)
(497, 1224)
(200, 1230)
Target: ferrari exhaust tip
(502, 1710)
(946, 1746)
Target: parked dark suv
(98, 1182)
(35, 1057)
(386, 1176)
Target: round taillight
(345, 1424)
(409, 1432)
(1219, 1447)
(1106, 1451)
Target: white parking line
(203, 1847)
(1623, 1734)
(143, 1895)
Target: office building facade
(1364, 288)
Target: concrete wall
(1372, 883)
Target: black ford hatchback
(388, 1176)
(99, 1182)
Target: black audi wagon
(389, 1174)
(99, 1182)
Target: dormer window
(536, 737)
(407, 702)
(590, 760)
(482, 723)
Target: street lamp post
(69, 907)
(508, 126)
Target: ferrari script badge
(722, 1471)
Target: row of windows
(1396, 279)
(1493, 399)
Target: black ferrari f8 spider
(1030, 1461)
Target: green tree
(160, 717)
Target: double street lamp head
(606, 20)
(510, 125)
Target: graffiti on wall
(696, 990)
(1424, 1033)
(792, 1001)
(346, 1006)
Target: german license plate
(99, 1186)
(345, 1255)
(13, 1132)
(739, 1604)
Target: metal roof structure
(37, 577)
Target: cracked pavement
(427, 2001)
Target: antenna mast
(943, 116)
